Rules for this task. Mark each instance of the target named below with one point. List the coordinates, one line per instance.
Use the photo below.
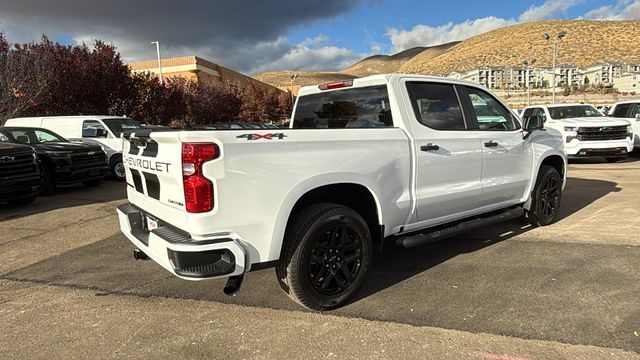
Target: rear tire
(117, 167)
(545, 197)
(326, 254)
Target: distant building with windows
(521, 77)
(602, 73)
(628, 83)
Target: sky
(262, 35)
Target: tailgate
(153, 163)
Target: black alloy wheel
(550, 197)
(335, 259)
(326, 254)
(545, 197)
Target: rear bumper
(218, 256)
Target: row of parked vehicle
(587, 132)
(38, 154)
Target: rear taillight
(198, 190)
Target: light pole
(159, 62)
(559, 37)
(293, 78)
(527, 72)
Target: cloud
(425, 35)
(240, 34)
(622, 10)
(547, 10)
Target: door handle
(430, 147)
(491, 144)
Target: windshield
(119, 125)
(575, 111)
(30, 136)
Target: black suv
(19, 174)
(63, 162)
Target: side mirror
(637, 116)
(532, 123)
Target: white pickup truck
(629, 110)
(406, 159)
(585, 130)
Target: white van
(99, 129)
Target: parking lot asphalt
(70, 288)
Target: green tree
(567, 90)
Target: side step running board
(440, 233)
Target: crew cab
(63, 162)
(19, 174)
(630, 111)
(586, 132)
(385, 160)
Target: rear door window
(364, 107)
(436, 105)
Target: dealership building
(196, 69)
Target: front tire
(48, 184)
(326, 254)
(613, 159)
(545, 198)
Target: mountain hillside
(281, 78)
(587, 42)
(380, 64)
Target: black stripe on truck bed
(153, 185)
(137, 180)
(151, 150)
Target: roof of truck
(84, 117)
(382, 79)
(557, 105)
(627, 102)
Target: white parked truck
(630, 111)
(405, 159)
(586, 132)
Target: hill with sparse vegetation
(587, 42)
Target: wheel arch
(357, 196)
(555, 160)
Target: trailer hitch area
(140, 255)
(233, 285)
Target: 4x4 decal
(262, 136)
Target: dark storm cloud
(229, 31)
